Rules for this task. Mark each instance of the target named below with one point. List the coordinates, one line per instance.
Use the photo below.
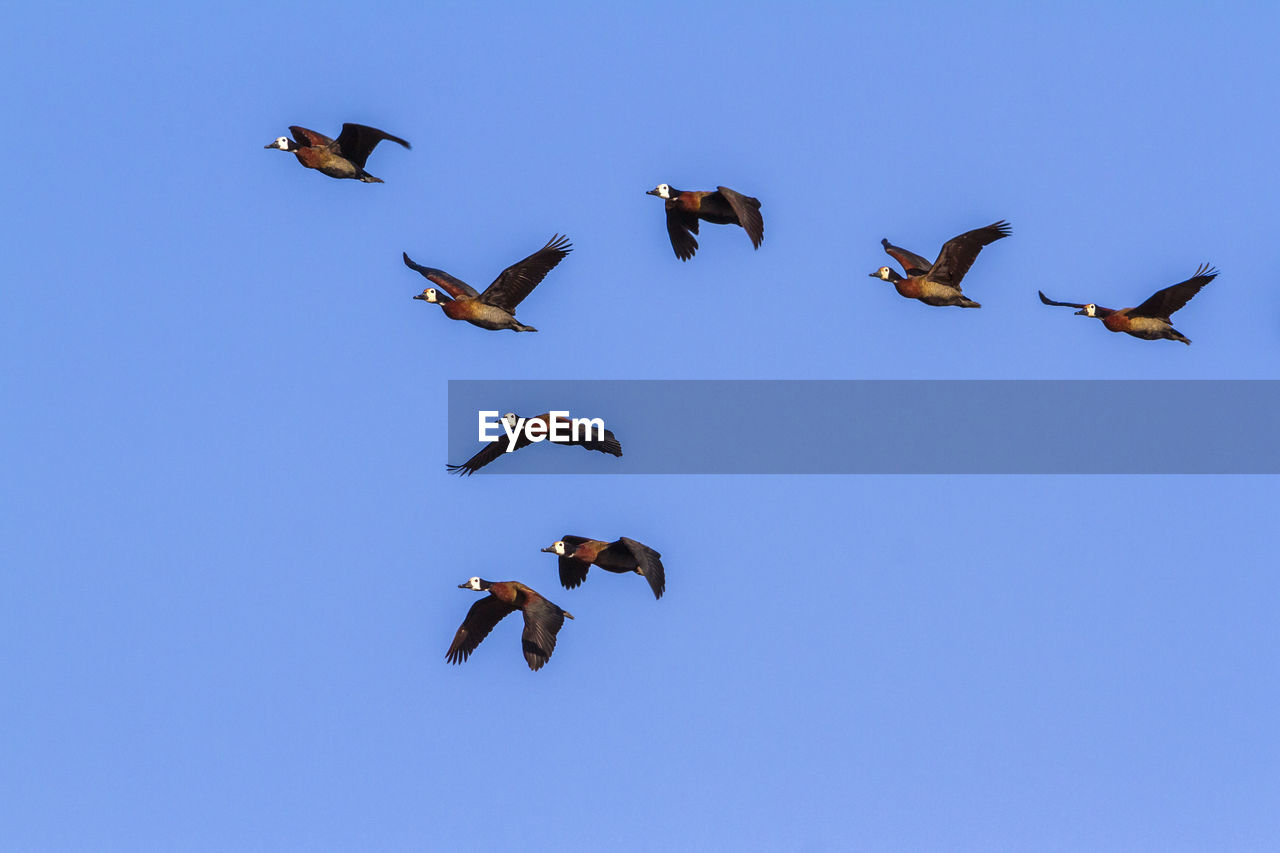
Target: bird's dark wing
(650, 562)
(1164, 302)
(748, 211)
(481, 618)
(356, 142)
(518, 280)
(585, 436)
(542, 621)
(609, 444)
(490, 452)
(680, 224)
(455, 287)
(958, 253)
(308, 138)
(573, 572)
(912, 264)
(1047, 301)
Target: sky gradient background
(230, 550)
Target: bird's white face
(473, 583)
(558, 548)
(1091, 310)
(282, 143)
(510, 419)
(430, 295)
(663, 191)
(883, 273)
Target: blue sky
(230, 550)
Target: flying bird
(578, 554)
(582, 438)
(542, 620)
(1150, 320)
(721, 207)
(496, 307)
(939, 283)
(343, 157)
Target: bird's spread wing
(542, 621)
(356, 142)
(748, 211)
(1047, 301)
(609, 444)
(573, 572)
(587, 438)
(650, 562)
(518, 280)
(681, 226)
(1165, 302)
(308, 138)
(455, 287)
(584, 436)
(490, 452)
(481, 618)
(958, 253)
(912, 264)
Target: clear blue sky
(230, 550)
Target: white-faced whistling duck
(1150, 320)
(721, 207)
(609, 444)
(577, 554)
(343, 157)
(496, 307)
(542, 620)
(939, 283)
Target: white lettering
(486, 425)
(559, 426)
(586, 424)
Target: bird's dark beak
(646, 192)
(464, 585)
(422, 296)
(874, 274)
(269, 145)
(549, 550)
(1084, 312)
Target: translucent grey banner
(883, 426)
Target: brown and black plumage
(496, 307)
(1150, 320)
(578, 554)
(590, 438)
(939, 283)
(343, 157)
(722, 206)
(542, 620)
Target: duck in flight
(343, 157)
(1150, 320)
(496, 307)
(588, 437)
(939, 283)
(542, 620)
(578, 554)
(722, 206)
